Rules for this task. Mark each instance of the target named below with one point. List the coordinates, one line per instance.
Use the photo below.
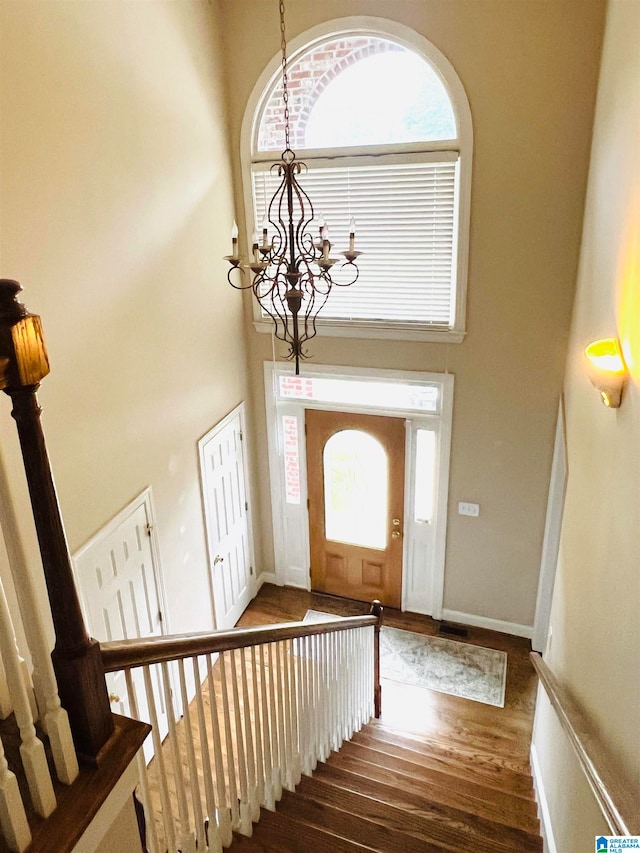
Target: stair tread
(358, 817)
(410, 793)
(357, 828)
(459, 759)
(402, 765)
(512, 752)
(279, 833)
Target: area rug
(460, 669)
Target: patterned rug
(460, 669)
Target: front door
(226, 503)
(355, 472)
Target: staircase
(392, 791)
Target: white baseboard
(491, 624)
(546, 828)
(266, 577)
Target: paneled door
(119, 581)
(355, 473)
(226, 504)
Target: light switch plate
(465, 508)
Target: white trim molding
(544, 813)
(424, 543)
(462, 145)
(486, 622)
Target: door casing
(424, 555)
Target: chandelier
(290, 264)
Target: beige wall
(529, 69)
(115, 210)
(595, 646)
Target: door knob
(113, 697)
(218, 559)
(396, 534)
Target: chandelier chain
(285, 79)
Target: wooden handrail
(125, 654)
(620, 811)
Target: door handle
(396, 534)
(218, 559)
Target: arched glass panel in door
(356, 479)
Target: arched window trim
(462, 145)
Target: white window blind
(406, 228)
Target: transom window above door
(381, 120)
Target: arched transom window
(384, 128)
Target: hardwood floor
(477, 754)
(450, 719)
(437, 773)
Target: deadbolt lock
(396, 534)
(396, 522)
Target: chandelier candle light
(291, 271)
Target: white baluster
(254, 799)
(6, 705)
(296, 766)
(284, 736)
(53, 717)
(167, 812)
(224, 811)
(372, 674)
(351, 698)
(269, 770)
(152, 832)
(362, 700)
(344, 688)
(32, 751)
(335, 708)
(234, 802)
(245, 827)
(187, 837)
(260, 771)
(315, 698)
(308, 759)
(214, 843)
(13, 820)
(196, 800)
(324, 702)
(286, 702)
(276, 752)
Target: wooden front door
(355, 473)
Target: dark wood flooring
(425, 711)
(437, 773)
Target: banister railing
(619, 810)
(256, 707)
(124, 654)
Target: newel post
(377, 611)
(76, 657)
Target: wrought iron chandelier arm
(291, 270)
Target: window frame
(462, 145)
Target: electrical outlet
(465, 508)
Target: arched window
(383, 124)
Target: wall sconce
(607, 370)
